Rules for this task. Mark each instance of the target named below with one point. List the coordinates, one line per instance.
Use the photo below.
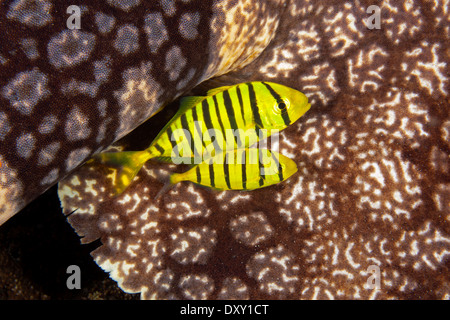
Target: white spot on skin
(70, 48)
(105, 23)
(196, 287)
(156, 31)
(275, 271)
(251, 229)
(77, 125)
(48, 124)
(366, 68)
(90, 187)
(181, 84)
(376, 173)
(50, 177)
(127, 39)
(102, 130)
(132, 248)
(349, 257)
(26, 89)
(188, 25)
(5, 127)
(102, 70)
(233, 288)
(75, 87)
(101, 106)
(169, 7)
(426, 71)
(25, 145)
(29, 47)
(31, 13)
(175, 63)
(192, 245)
(47, 154)
(76, 157)
(137, 98)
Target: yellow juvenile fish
(241, 169)
(227, 118)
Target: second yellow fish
(240, 169)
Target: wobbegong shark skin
(66, 94)
(365, 217)
(370, 200)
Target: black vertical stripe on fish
(219, 119)
(231, 115)
(279, 100)
(169, 136)
(254, 105)
(261, 168)
(226, 171)
(199, 174)
(197, 125)
(244, 173)
(185, 126)
(159, 148)
(273, 93)
(277, 164)
(208, 121)
(219, 116)
(241, 103)
(285, 117)
(211, 174)
(206, 115)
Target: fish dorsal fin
(187, 103)
(217, 90)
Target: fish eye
(282, 106)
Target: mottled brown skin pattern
(373, 182)
(372, 188)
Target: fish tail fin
(125, 164)
(170, 181)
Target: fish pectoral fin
(217, 90)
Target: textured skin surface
(373, 151)
(372, 189)
(73, 92)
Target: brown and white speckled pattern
(373, 187)
(66, 94)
